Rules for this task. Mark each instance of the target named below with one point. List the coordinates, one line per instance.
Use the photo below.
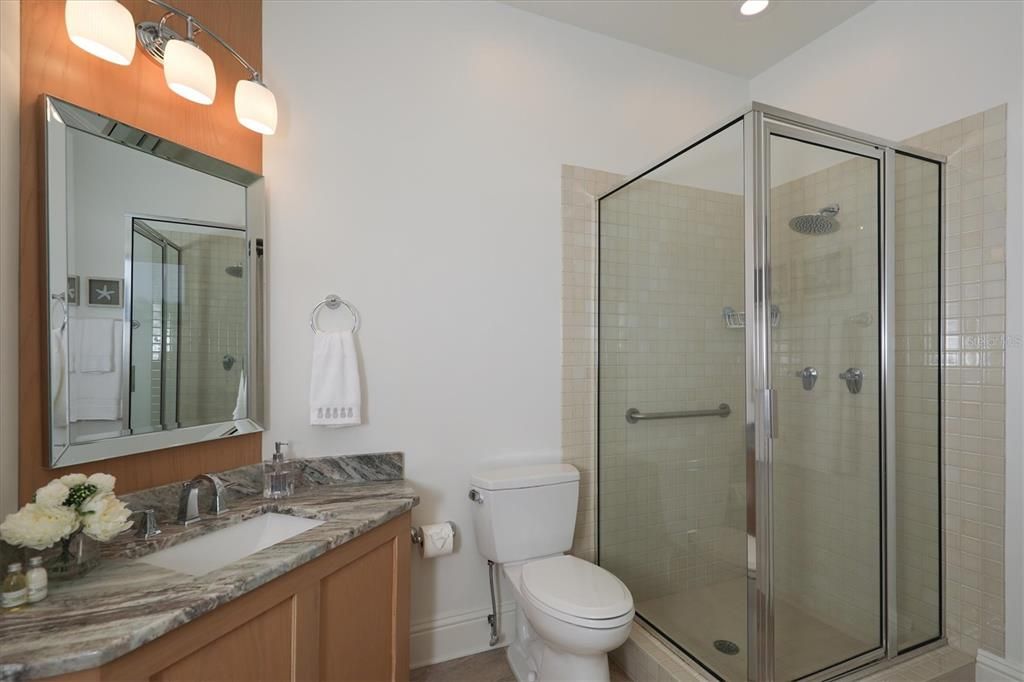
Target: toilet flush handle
(475, 496)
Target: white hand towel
(92, 345)
(58, 376)
(97, 395)
(240, 399)
(334, 396)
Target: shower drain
(726, 647)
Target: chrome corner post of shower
(761, 420)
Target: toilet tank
(524, 512)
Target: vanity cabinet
(341, 617)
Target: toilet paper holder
(416, 533)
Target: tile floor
(490, 666)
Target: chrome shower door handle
(772, 396)
(854, 378)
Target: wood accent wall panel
(137, 95)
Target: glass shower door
(825, 373)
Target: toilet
(569, 612)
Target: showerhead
(822, 222)
(234, 271)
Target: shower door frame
(759, 121)
(759, 124)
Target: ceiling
(709, 32)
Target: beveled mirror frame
(58, 117)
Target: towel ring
(333, 302)
(61, 299)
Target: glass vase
(75, 556)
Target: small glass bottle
(278, 481)
(36, 580)
(15, 590)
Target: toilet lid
(577, 588)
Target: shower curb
(644, 658)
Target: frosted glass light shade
(189, 71)
(256, 107)
(752, 7)
(104, 28)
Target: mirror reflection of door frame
(763, 402)
(139, 227)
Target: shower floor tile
(696, 618)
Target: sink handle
(148, 527)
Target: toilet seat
(577, 592)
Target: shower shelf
(736, 320)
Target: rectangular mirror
(155, 276)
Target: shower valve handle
(854, 378)
(808, 376)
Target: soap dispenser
(278, 481)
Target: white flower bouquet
(62, 511)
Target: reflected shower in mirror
(188, 329)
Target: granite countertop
(123, 603)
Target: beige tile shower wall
(973, 376)
(213, 323)
(672, 492)
(580, 189)
(827, 526)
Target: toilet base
(532, 660)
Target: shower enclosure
(769, 351)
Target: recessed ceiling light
(751, 7)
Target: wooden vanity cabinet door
(362, 628)
(259, 650)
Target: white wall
(900, 68)
(416, 172)
(10, 59)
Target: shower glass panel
(827, 491)
(672, 520)
(918, 354)
(147, 292)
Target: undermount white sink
(222, 547)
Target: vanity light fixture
(256, 106)
(106, 29)
(751, 7)
(188, 70)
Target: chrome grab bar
(634, 415)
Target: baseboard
(992, 668)
(456, 635)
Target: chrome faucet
(188, 503)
